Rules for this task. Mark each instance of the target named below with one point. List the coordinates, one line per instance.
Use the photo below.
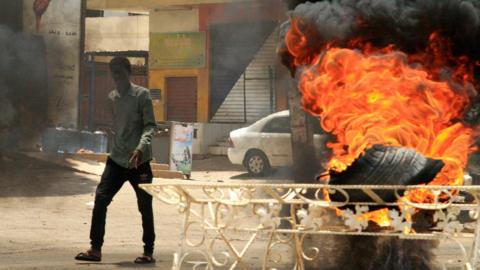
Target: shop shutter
(181, 99)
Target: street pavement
(46, 211)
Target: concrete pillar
(305, 165)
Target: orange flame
(373, 96)
(379, 216)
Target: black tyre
(257, 163)
(387, 165)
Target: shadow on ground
(22, 176)
(124, 264)
(215, 164)
(284, 173)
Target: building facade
(208, 61)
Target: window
(278, 125)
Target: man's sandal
(144, 259)
(88, 256)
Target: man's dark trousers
(112, 180)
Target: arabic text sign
(177, 50)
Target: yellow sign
(177, 50)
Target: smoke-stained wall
(11, 14)
(59, 23)
(236, 33)
(23, 89)
(22, 82)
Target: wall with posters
(181, 142)
(59, 22)
(168, 28)
(177, 50)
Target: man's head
(121, 69)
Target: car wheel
(257, 163)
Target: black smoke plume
(405, 23)
(23, 89)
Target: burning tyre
(383, 74)
(387, 165)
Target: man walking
(133, 128)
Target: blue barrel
(61, 140)
(49, 140)
(100, 140)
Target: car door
(276, 142)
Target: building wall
(60, 26)
(111, 34)
(171, 21)
(157, 81)
(142, 5)
(198, 18)
(11, 14)
(178, 21)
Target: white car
(267, 143)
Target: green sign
(177, 50)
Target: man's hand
(135, 158)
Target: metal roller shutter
(252, 96)
(182, 99)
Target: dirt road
(46, 209)
(45, 216)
